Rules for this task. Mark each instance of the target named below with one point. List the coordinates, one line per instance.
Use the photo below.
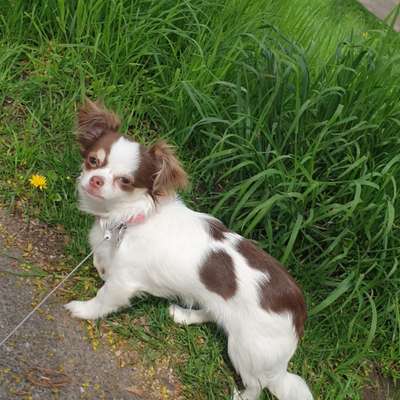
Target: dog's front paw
(83, 309)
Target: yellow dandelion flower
(38, 181)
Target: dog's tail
(290, 387)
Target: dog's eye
(92, 161)
(124, 180)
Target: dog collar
(136, 219)
(118, 230)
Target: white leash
(107, 236)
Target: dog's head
(117, 171)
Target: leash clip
(121, 228)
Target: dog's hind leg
(250, 393)
(242, 361)
(287, 386)
(187, 316)
(261, 362)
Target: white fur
(123, 159)
(162, 256)
(124, 156)
(101, 155)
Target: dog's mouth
(92, 193)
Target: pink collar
(137, 219)
(120, 228)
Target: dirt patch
(380, 387)
(54, 356)
(35, 240)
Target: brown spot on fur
(104, 142)
(280, 292)
(217, 229)
(146, 173)
(218, 274)
(169, 175)
(94, 120)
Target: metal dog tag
(120, 234)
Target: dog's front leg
(111, 296)
(101, 270)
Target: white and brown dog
(168, 250)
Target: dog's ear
(93, 121)
(170, 176)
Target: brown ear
(93, 121)
(170, 175)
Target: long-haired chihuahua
(169, 250)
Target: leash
(121, 227)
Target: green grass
(286, 116)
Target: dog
(165, 249)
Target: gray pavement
(382, 8)
(51, 356)
(54, 356)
